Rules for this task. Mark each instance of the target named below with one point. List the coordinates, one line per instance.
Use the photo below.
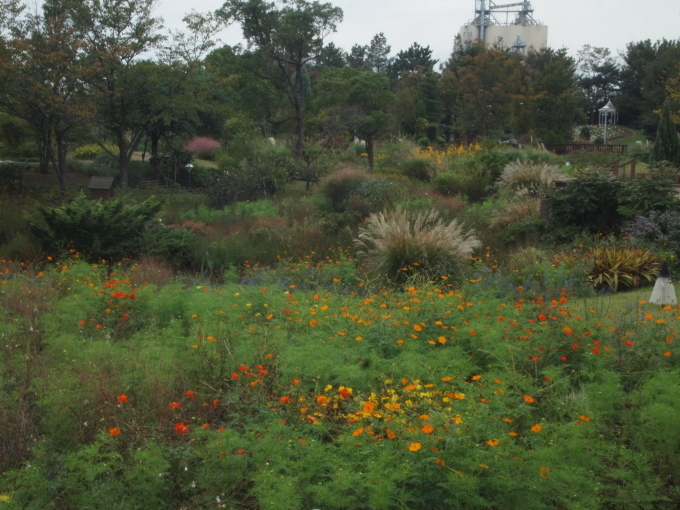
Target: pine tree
(666, 145)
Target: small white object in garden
(664, 292)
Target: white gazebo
(608, 115)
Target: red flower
(216, 402)
(131, 295)
(114, 431)
(189, 394)
(181, 427)
(234, 376)
(595, 350)
(242, 368)
(122, 398)
(345, 393)
(175, 405)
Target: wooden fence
(566, 148)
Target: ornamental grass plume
(533, 178)
(399, 245)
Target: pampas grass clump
(402, 245)
(533, 178)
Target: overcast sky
(434, 23)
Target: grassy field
(286, 390)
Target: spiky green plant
(622, 268)
(532, 177)
(401, 244)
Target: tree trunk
(370, 152)
(155, 139)
(61, 160)
(299, 117)
(122, 160)
(44, 150)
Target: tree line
(104, 71)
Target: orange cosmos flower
(417, 327)
(122, 398)
(312, 323)
(567, 330)
(82, 323)
(358, 432)
(175, 405)
(537, 428)
(114, 431)
(189, 394)
(414, 447)
(284, 400)
(584, 417)
(493, 442)
(528, 399)
(321, 399)
(427, 429)
(476, 377)
(181, 427)
(667, 353)
(440, 462)
(544, 472)
(513, 434)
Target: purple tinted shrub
(660, 228)
(203, 147)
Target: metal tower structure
(488, 13)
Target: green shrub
(109, 230)
(341, 185)
(174, 244)
(474, 183)
(419, 169)
(622, 268)
(424, 142)
(12, 178)
(640, 196)
(378, 194)
(334, 223)
(589, 203)
(91, 151)
(494, 161)
(401, 245)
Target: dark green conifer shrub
(99, 230)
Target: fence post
(632, 169)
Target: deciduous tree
(291, 36)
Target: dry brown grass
(21, 306)
(154, 271)
(518, 211)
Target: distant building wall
(535, 36)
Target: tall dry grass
(402, 245)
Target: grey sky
(571, 23)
